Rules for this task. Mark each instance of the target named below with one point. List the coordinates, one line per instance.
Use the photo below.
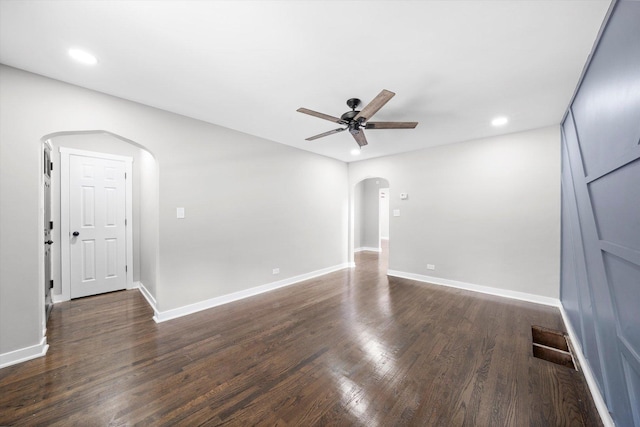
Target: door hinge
(125, 175)
(51, 166)
(51, 284)
(50, 225)
(126, 268)
(125, 222)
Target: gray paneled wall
(600, 284)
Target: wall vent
(553, 346)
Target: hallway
(349, 348)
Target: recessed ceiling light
(355, 152)
(499, 121)
(83, 56)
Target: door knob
(76, 233)
(48, 242)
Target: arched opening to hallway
(371, 218)
(141, 218)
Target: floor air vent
(552, 346)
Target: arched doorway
(143, 222)
(370, 216)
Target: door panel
(87, 202)
(97, 209)
(111, 257)
(88, 260)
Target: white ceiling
(248, 65)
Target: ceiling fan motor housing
(353, 104)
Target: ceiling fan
(356, 121)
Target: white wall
(149, 228)
(484, 212)
(370, 213)
(251, 204)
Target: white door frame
(65, 259)
(41, 208)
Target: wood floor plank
(353, 347)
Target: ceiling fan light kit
(357, 120)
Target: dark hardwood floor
(350, 348)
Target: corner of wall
(601, 405)
(24, 354)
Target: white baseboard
(56, 298)
(147, 295)
(605, 416)
(522, 296)
(366, 248)
(162, 316)
(24, 354)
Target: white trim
(601, 406)
(56, 298)
(85, 153)
(147, 295)
(24, 354)
(128, 164)
(41, 211)
(65, 280)
(522, 296)
(162, 316)
(65, 153)
(367, 248)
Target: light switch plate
(404, 196)
(180, 213)
(396, 212)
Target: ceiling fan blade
(321, 135)
(320, 115)
(391, 125)
(360, 138)
(372, 107)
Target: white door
(97, 233)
